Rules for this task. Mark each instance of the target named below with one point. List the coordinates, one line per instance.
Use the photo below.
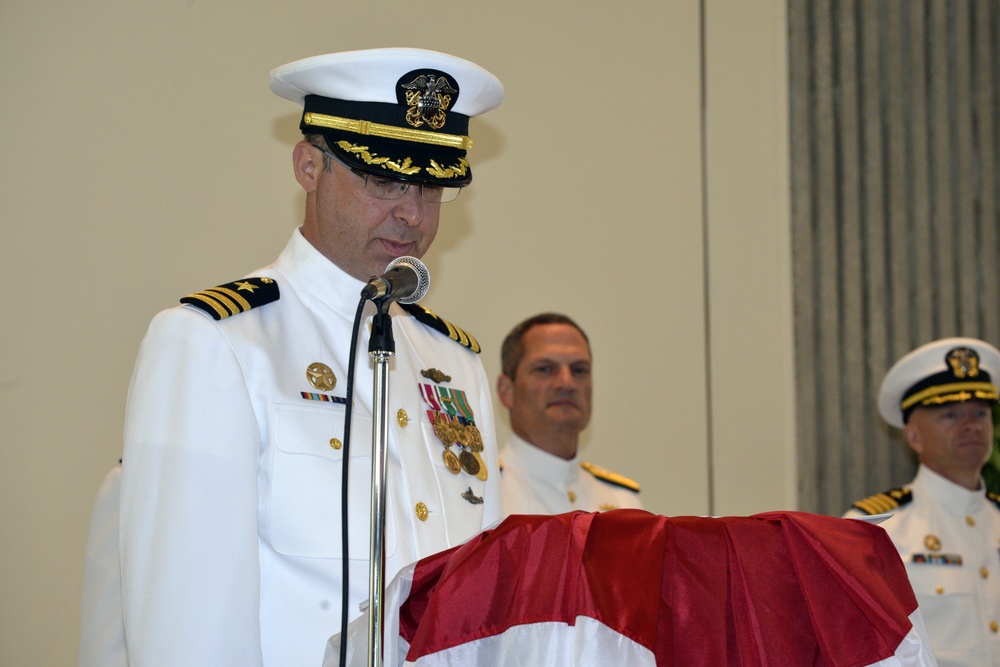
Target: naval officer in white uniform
(234, 439)
(547, 385)
(944, 523)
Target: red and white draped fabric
(627, 587)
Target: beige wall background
(635, 178)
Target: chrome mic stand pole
(381, 347)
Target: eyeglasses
(388, 188)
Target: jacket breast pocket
(306, 477)
(947, 598)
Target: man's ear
(307, 163)
(505, 390)
(912, 436)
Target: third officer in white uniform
(944, 524)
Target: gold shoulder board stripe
(880, 503)
(610, 477)
(235, 297)
(427, 316)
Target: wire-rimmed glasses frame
(381, 187)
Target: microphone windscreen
(423, 277)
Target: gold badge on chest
(321, 376)
(436, 375)
(932, 542)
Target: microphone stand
(381, 347)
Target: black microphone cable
(348, 409)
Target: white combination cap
(949, 370)
(399, 113)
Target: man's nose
(410, 207)
(564, 377)
(972, 421)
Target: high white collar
(538, 463)
(953, 497)
(310, 272)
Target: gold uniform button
(571, 495)
(985, 573)
(402, 418)
(994, 627)
(939, 590)
(422, 512)
(336, 444)
(969, 520)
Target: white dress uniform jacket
(102, 633)
(949, 540)
(231, 482)
(535, 482)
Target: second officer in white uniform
(547, 386)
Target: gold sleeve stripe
(367, 127)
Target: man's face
(551, 389)
(357, 232)
(953, 440)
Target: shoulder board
(427, 317)
(234, 298)
(610, 477)
(993, 498)
(881, 503)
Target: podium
(630, 588)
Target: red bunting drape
(770, 589)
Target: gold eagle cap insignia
(429, 96)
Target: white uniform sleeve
(190, 566)
(102, 635)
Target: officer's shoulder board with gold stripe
(429, 318)
(880, 503)
(610, 477)
(235, 297)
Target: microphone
(405, 280)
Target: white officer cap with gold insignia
(401, 113)
(949, 370)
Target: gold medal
(443, 430)
(473, 438)
(469, 463)
(451, 462)
(455, 431)
(482, 474)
